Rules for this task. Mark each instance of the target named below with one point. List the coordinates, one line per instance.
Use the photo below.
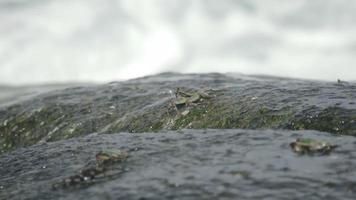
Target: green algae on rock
(144, 105)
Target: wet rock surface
(175, 136)
(149, 105)
(188, 164)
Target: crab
(311, 146)
(184, 98)
(104, 159)
(110, 156)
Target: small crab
(310, 146)
(110, 156)
(104, 159)
(186, 98)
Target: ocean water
(46, 41)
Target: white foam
(89, 40)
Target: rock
(145, 105)
(191, 164)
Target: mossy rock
(147, 105)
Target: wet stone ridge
(186, 164)
(152, 104)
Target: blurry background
(44, 41)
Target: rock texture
(182, 136)
(188, 164)
(147, 105)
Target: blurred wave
(45, 41)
